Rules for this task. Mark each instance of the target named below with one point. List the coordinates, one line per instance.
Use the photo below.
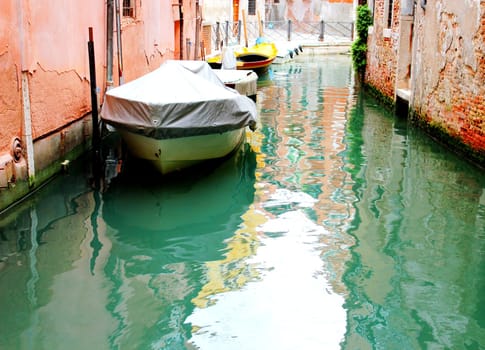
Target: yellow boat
(257, 57)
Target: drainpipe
(118, 36)
(181, 16)
(197, 30)
(26, 113)
(109, 43)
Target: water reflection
(164, 232)
(153, 213)
(341, 228)
(119, 268)
(417, 265)
(49, 291)
(297, 293)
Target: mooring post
(94, 105)
(239, 26)
(226, 34)
(322, 30)
(218, 35)
(289, 30)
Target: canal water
(338, 226)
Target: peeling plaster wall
(223, 10)
(57, 98)
(149, 38)
(57, 60)
(10, 93)
(337, 10)
(449, 69)
(303, 10)
(311, 11)
(44, 63)
(217, 11)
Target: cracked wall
(10, 93)
(45, 95)
(449, 69)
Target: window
(128, 8)
(373, 11)
(251, 7)
(389, 13)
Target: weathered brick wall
(382, 51)
(449, 72)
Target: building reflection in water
(298, 206)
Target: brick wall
(382, 49)
(449, 72)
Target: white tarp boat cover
(179, 99)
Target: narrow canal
(338, 227)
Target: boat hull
(257, 58)
(256, 65)
(174, 154)
(243, 82)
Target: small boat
(244, 81)
(286, 51)
(179, 115)
(257, 57)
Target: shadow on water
(71, 254)
(187, 215)
(163, 231)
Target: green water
(338, 226)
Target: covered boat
(179, 115)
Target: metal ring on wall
(17, 149)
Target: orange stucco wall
(45, 79)
(148, 39)
(10, 94)
(51, 45)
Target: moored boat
(179, 115)
(287, 51)
(245, 82)
(257, 57)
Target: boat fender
(291, 54)
(296, 51)
(252, 125)
(301, 48)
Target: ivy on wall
(359, 46)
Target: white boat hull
(244, 82)
(169, 155)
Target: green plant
(359, 46)
(364, 20)
(359, 55)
